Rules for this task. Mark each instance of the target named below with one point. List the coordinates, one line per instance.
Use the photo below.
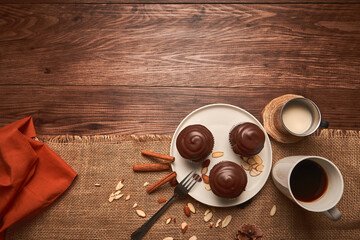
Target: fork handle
(141, 231)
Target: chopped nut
(226, 221)
(112, 197)
(254, 173)
(206, 179)
(161, 200)
(251, 161)
(204, 170)
(184, 227)
(141, 213)
(206, 212)
(187, 211)
(97, 185)
(117, 192)
(119, 186)
(197, 177)
(127, 197)
(260, 167)
(206, 163)
(193, 238)
(207, 187)
(135, 205)
(208, 217)
(174, 220)
(211, 225)
(273, 210)
(218, 222)
(146, 184)
(168, 220)
(191, 207)
(118, 196)
(245, 165)
(217, 154)
(257, 159)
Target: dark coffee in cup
(308, 181)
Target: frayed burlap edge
(156, 137)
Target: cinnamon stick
(160, 156)
(152, 167)
(161, 182)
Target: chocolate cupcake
(247, 139)
(195, 142)
(227, 179)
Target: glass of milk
(301, 117)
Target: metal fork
(181, 190)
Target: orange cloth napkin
(31, 175)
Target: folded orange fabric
(31, 175)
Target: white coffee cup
(326, 203)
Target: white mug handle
(333, 213)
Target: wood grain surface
(89, 69)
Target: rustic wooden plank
(194, 45)
(88, 110)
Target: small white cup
(326, 204)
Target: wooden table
(90, 67)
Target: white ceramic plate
(220, 119)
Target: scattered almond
(174, 220)
(207, 187)
(206, 163)
(97, 185)
(161, 200)
(273, 210)
(112, 197)
(127, 197)
(206, 179)
(206, 212)
(193, 238)
(141, 213)
(245, 165)
(135, 205)
(251, 161)
(197, 177)
(217, 154)
(218, 222)
(184, 227)
(117, 192)
(226, 221)
(208, 217)
(257, 159)
(211, 225)
(146, 184)
(204, 170)
(191, 207)
(168, 238)
(119, 186)
(168, 220)
(187, 211)
(118, 196)
(259, 168)
(254, 172)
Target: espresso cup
(313, 182)
(301, 117)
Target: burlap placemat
(83, 211)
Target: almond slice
(218, 222)
(118, 196)
(141, 213)
(184, 227)
(112, 197)
(207, 187)
(168, 238)
(257, 159)
(245, 166)
(97, 185)
(244, 158)
(135, 205)
(168, 220)
(226, 221)
(193, 238)
(127, 197)
(191, 206)
(204, 170)
(146, 184)
(211, 224)
(208, 217)
(217, 154)
(251, 161)
(206, 212)
(117, 192)
(260, 168)
(273, 210)
(254, 172)
(119, 186)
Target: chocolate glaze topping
(247, 139)
(227, 179)
(195, 142)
